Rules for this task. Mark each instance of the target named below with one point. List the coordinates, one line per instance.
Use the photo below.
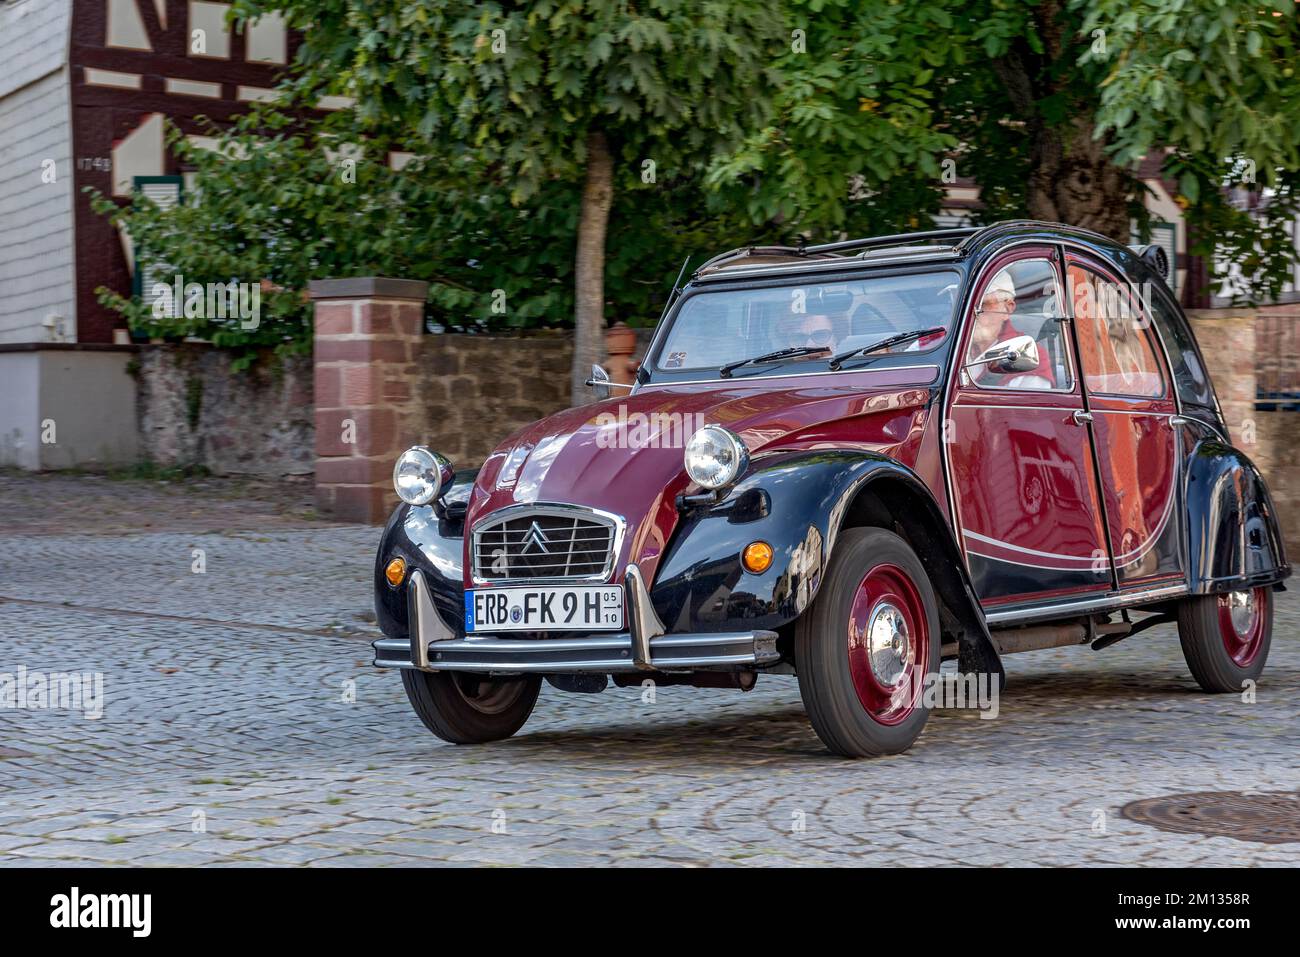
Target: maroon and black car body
(848, 463)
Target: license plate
(556, 608)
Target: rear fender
(1233, 535)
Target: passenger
(993, 325)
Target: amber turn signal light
(395, 571)
(757, 557)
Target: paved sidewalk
(243, 724)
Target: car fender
(1233, 534)
(430, 538)
(797, 502)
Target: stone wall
(1277, 453)
(1271, 439)
(474, 391)
(1227, 341)
(193, 410)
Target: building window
(126, 26)
(209, 35)
(166, 191)
(267, 40)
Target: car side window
(1116, 348)
(1021, 299)
(1190, 377)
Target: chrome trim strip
(1061, 408)
(424, 623)
(1109, 601)
(563, 509)
(608, 654)
(643, 622)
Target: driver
(993, 325)
(816, 331)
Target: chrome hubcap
(1241, 606)
(889, 643)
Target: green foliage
(1216, 83)
(1205, 76)
(498, 123)
(764, 122)
(856, 117)
(518, 88)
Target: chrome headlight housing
(420, 475)
(715, 456)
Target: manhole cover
(1273, 818)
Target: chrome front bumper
(643, 647)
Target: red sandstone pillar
(366, 343)
(620, 346)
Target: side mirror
(599, 382)
(1017, 354)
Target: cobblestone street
(230, 736)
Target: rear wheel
(1226, 637)
(470, 709)
(867, 645)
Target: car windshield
(813, 321)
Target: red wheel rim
(1241, 623)
(889, 644)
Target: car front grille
(554, 544)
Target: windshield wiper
(790, 353)
(836, 361)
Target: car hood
(625, 455)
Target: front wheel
(470, 709)
(867, 646)
(1226, 637)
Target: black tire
(470, 709)
(833, 699)
(1219, 656)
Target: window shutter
(166, 192)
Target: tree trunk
(1075, 182)
(589, 269)
(1072, 179)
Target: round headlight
(420, 475)
(715, 456)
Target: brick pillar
(620, 346)
(1227, 341)
(367, 340)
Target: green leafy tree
(286, 200)
(604, 95)
(1047, 104)
(569, 154)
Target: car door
(1131, 400)
(1021, 466)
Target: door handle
(1081, 418)
(1176, 421)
